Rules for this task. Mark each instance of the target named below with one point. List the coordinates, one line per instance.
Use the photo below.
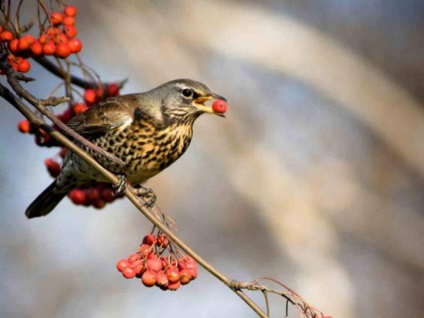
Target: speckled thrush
(147, 131)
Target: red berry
(52, 32)
(128, 272)
(173, 274)
(162, 241)
(144, 250)
(134, 257)
(93, 194)
(24, 66)
(107, 195)
(42, 39)
(135, 261)
(149, 239)
(56, 18)
(61, 39)
(90, 96)
(70, 31)
(6, 36)
(188, 262)
(123, 263)
(78, 196)
(63, 51)
(25, 43)
(154, 265)
(29, 39)
(65, 116)
(70, 11)
(219, 106)
(194, 273)
(37, 48)
(75, 45)
(69, 20)
(13, 61)
(113, 90)
(148, 278)
(174, 286)
(49, 48)
(79, 108)
(14, 46)
(63, 152)
(99, 203)
(138, 267)
(152, 256)
(53, 167)
(24, 126)
(100, 93)
(185, 276)
(162, 280)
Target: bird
(146, 131)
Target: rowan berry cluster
(154, 269)
(97, 195)
(57, 39)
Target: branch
(52, 68)
(130, 192)
(289, 295)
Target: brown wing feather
(107, 115)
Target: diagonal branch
(130, 193)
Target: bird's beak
(200, 104)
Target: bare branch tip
(123, 82)
(24, 78)
(54, 101)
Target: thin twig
(20, 106)
(52, 68)
(255, 286)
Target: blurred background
(315, 178)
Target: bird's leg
(121, 185)
(147, 194)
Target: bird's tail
(46, 201)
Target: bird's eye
(187, 92)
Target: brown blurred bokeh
(315, 178)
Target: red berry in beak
(219, 106)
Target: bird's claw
(147, 194)
(120, 186)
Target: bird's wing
(113, 113)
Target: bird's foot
(120, 186)
(147, 194)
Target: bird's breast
(145, 149)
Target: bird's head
(184, 100)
